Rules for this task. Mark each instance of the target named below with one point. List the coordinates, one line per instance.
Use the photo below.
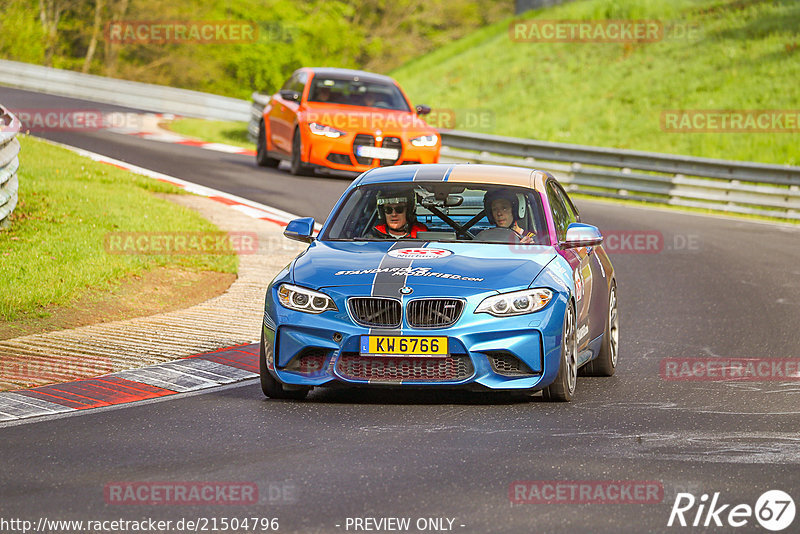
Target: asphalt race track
(715, 287)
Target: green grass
(741, 55)
(54, 250)
(226, 132)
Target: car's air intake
(453, 368)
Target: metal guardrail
(723, 185)
(146, 96)
(9, 164)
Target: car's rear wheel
(563, 387)
(606, 362)
(271, 387)
(298, 168)
(262, 159)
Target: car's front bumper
(338, 153)
(512, 353)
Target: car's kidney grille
(434, 313)
(392, 142)
(453, 368)
(363, 140)
(372, 311)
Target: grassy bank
(54, 252)
(734, 55)
(226, 132)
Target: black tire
(563, 387)
(606, 362)
(298, 168)
(271, 387)
(262, 160)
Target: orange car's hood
(359, 119)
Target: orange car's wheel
(261, 150)
(299, 168)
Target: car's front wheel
(298, 168)
(271, 387)
(262, 159)
(563, 387)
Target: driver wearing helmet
(397, 219)
(502, 209)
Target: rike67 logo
(774, 510)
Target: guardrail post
(9, 163)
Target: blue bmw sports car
(474, 276)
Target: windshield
(354, 92)
(440, 211)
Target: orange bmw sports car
(343, 119)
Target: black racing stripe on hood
(388, 284)
(434, 173)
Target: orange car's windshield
(352, 92)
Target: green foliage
(372, 34)
(738, 55)
(21, 33)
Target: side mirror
(423, 110)
(582, 235)
(301, 230)
(290, 95)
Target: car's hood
(451, 265)
(354, 118)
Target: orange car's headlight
(425, 140)
(327, 131)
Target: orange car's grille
(392, 142)
(363, 140)
(369, 140)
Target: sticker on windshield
(419, 253)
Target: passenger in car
(397, 216)
(502, 210)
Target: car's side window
(299, 83)
(572, 211)
(561, 217)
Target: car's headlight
(425, 140)
(327, 131)
(515, 303)
(304, 300)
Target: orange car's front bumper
(340, 153)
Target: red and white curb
(202, 371)
(242, 205)
(153, 132)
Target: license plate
(377, 152)
(404, 346)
